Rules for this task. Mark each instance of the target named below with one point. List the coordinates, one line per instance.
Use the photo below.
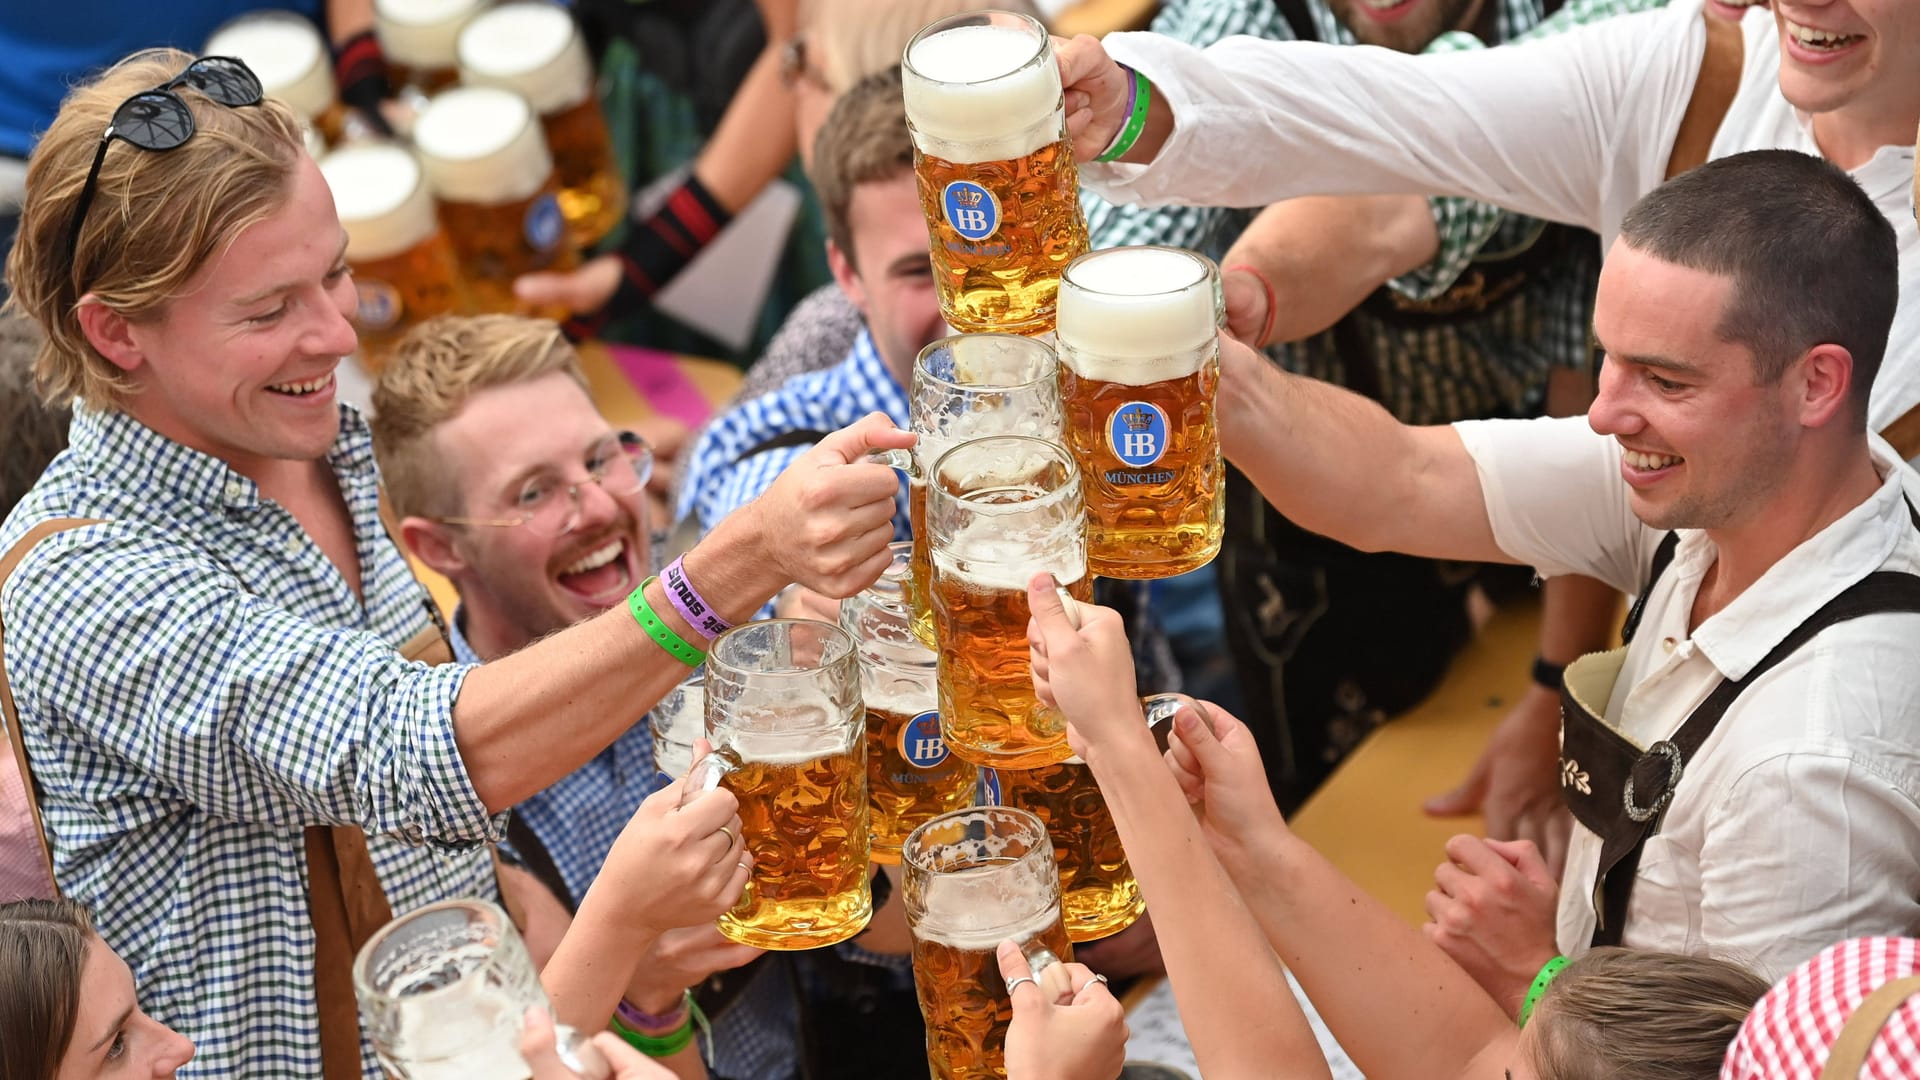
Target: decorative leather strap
(346, 904)
(1848, 1055)
(1713, 92)
(19, 802)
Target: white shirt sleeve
(1556, 501)
(1569, 128)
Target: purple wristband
(1133, 98)
(689, 603)
(646, 1022)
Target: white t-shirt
(1572, 128)
(1797, 823)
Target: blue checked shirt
(197, 684)
(717, 483)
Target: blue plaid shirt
(197, 684)
(717, 482)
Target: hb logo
(971, 209)
(920, 742)
(1137, 432)
(988, 792)
(544, 224)
(377, 304)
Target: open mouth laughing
(602, 575)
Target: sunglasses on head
(158, 120)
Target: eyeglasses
(158, 120)
(621, 464)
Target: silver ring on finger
(1014, 983)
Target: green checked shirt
(1429, 371)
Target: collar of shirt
(108, 435)
(1740, 635)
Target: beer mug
(442, 992)
(1139, 364)
(420, 40)
(975, 878)
(1098, 893)
(996, 175)
(487, 162)
(404, 269)
(680, 718)
(789, 738)
(999, 510)
(911, 776)
(535, 50)
(291, 60)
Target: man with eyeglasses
(237, 767)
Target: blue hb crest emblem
(544, 224)
(988, 793)
(1137, 432)
(971, 209)
(920, 742)
(377, 305)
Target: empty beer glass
(911, 775)
(996, 175)
(999, 510)
(1139, 364)
(789, 736)
(975, 878)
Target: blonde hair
(154, 221)
(434, 369)
(848, 40)
(1648, 1015)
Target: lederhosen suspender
(1619, 791)
(1847, 1057)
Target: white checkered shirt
(196, 685)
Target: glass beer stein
(996, 175)
(1098, 893)
(911, 775)
(789, 738)
(1139, 365)
(999, 510)
(404, 268)
(975, 878)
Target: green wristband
(1539, 987)
(656, 1046)
(658, 630)
(1140, 100)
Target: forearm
(1241, 1016)
(1323, 255)
(1577, 617)
(754, 141)
(1391, 997)
(530, 718)
(592, 969)
(345, 18)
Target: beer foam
(974, 94)
(286, 54)
(382, 203)
(983, 557)
(479, 144)
(785, 747)
(961, 909)
(900, 696)
(531, 49)
(421, 33)
(1136, 315)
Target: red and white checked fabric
(1790, 1030)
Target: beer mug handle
(1159, 710)
(896, 459)
(577, 1052)
(706, 774)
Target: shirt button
(1668, 643)
(234, 490)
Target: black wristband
(1548, 675)
(360, 69)
(656, 250)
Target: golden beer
(419, 39)
(996, 175)
(975, 878)
(785, 719)
(487, 162)
(291, 60)
(967, 387)
(1098, 893)
(1000, 510)
(535, 50)
(1139, 367)
(404, 270)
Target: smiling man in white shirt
(1744, 311)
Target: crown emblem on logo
(967, 196)
(1137, 418)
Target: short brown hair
(43, 950)
(1634, 1012)
(863, 140)
(155, 218)
(434, 369)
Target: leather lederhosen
(1619, 790)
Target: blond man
(209, 669)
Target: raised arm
(1321, 256)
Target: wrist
(1547, 675)
(733, 568)
(1545, 975)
